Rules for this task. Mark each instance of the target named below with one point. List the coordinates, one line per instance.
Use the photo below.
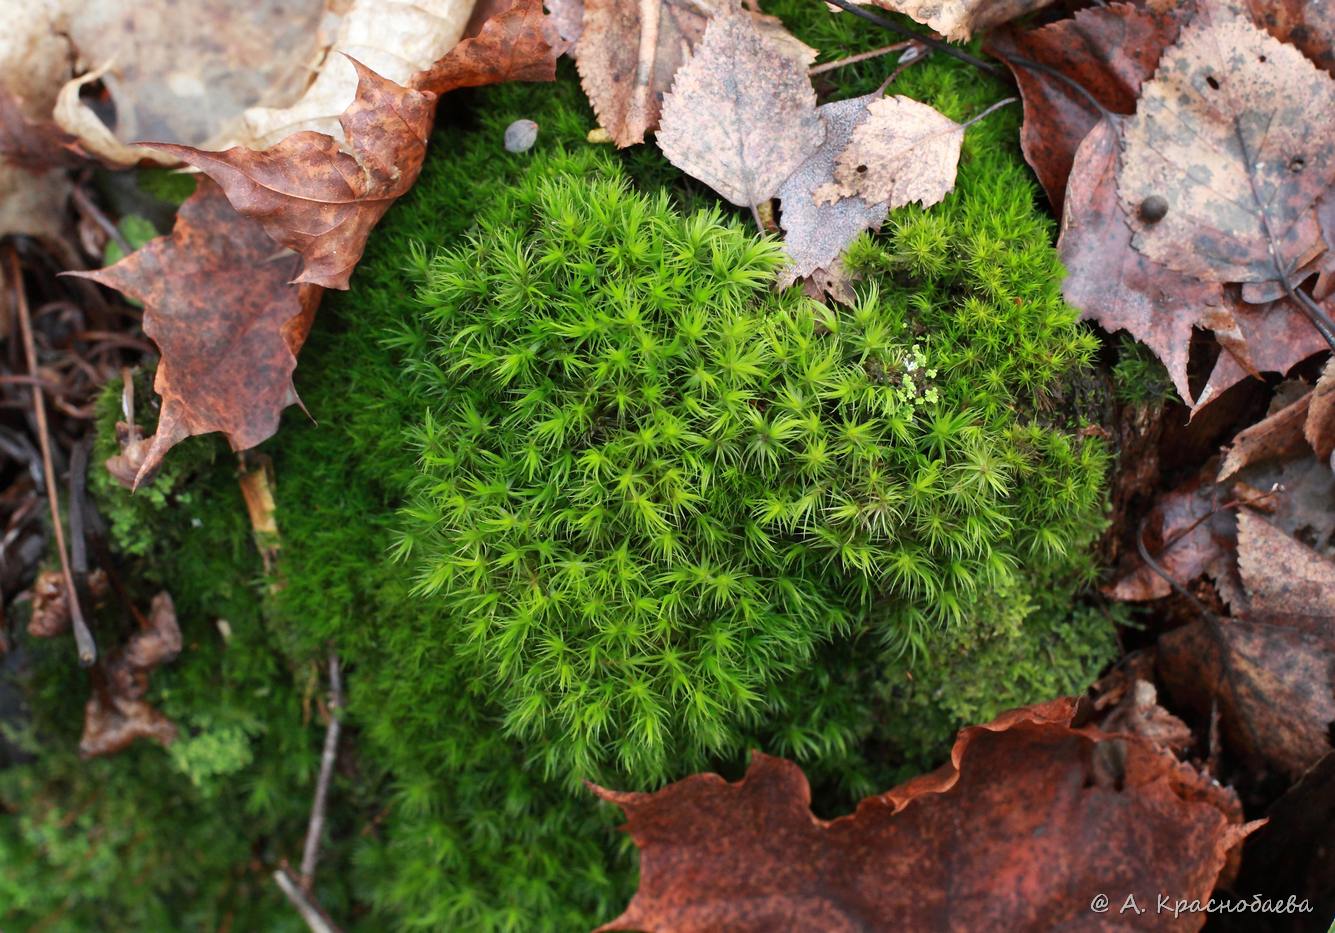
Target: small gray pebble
(520, 136)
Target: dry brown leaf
(218, 303)
(1189, 534)
(1236, 135)
(1279, 435)
(904, 151)
(959, 19)
(395, 40)
(816, 235)
(117, 714)
(1022, 829)
(317, 199)
(517, 43)
(1271, 669)
(1108, 51)
(1320, 427)
(741, 116)
(629, 50)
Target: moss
(454, 807)
(153, 838)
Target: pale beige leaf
(183, 71)
(1236, 135)
(395, 40)
(959, 19)
(904, 151)
(34, 62)
(741, 115)
(629, 51)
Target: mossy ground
(446, 817)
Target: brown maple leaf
(117, 714)
(1029, 821)
(904, 151)
(1107, 52)
(1271, 668)
(518, 42)
(959, 19)
(741, 116)
(1232, 143)
(317, 199)
(219, 305)
(1118, 286)
(816, 235)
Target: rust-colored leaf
(310, 195)
(959, 19)
(1113, 283)
(1030, 820)
(1109, 51)
(904, 151)
(219, 304)
(1233, 142)
(741, 116)
(1271, 669)
(517, 43)
(1320, 426)
(1188, 533)
(1118, 286)
(117, 714)
(816, 235)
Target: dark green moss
(158, 839)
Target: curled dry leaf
(1271, 669)
(117, 714)
(394, 40)
(1320, 426)
(816, 235)
(310, 195)
(741, 116)
(959, 19)
(219, 305)
(50, 607)
(182, 72)
(1189, 533)
(904, 151)
(975, 845)
(517, 43)
(1235, 137)
(34, 61)
(629, 51)
(1109, 51)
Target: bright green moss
(649, 487)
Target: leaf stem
(860, 57)
(940, 45)
(997, 106)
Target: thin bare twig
(311, 852)
(94, 213)
(315, 918)
(860, 57)
(83, 638)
